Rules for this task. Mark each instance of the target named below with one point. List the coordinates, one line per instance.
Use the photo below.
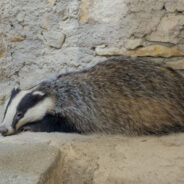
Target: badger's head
(25, 107)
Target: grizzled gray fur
(118, 96)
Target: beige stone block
(3, 48)
(174, 5)
(178, 65)
(54, 39)
(133, 43)
(17, 38)
(168, 30)
(52, 2)
(102, 50)
(84, 8)
(155, 51)
(27, 163)
(108, 12)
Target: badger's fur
(118, 96)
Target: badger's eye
(19, 114)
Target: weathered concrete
(75, 159)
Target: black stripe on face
(27, 102)
(13, 94)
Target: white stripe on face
(11, 111)
(37, 112)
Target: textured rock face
(25, 164)
(40, 38)
(73, 159)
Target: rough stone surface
(133, 43)
(54, 39)
(153, 51)
(2, 47)
(156, 51)
(168, 29)
(95, 159)
(26, 163)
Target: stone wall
(41, 37)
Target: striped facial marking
(14, 92)
(11, 110)
(25, 107)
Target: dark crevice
(179, 12)
(163, 7)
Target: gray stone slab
(26, 163)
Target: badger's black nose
(3, 130)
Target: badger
(117, 96)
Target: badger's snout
(3, 130)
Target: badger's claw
(26, 128)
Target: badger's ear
(38, 94)
(15, 90)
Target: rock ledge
(58, 158)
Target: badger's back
(121, 96)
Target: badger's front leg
(50, 123)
